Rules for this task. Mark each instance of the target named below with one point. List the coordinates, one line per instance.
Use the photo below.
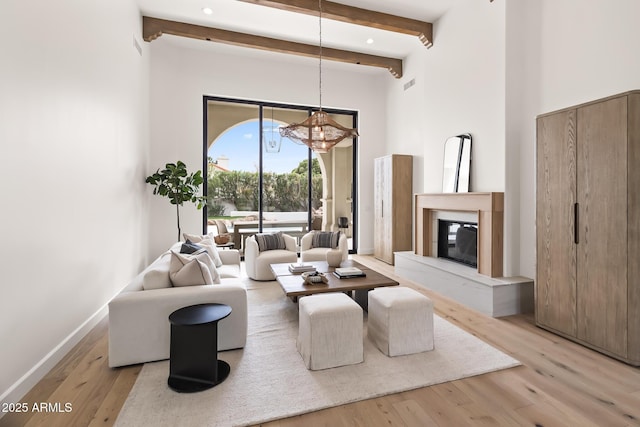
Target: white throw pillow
(156, 276)
(215, 276)
(212, 250)
(192, 269)
(208, 261)
(208, 242)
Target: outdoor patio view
(233, 181)
(252, 169)
(234, 174)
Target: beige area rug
(269, 380)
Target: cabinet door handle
(576, 240)
(382, 207)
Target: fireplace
(483, 289)
(458, 241)
(488, 210)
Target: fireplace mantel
(490, 210)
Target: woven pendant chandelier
(319, 131)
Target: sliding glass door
(258, 181)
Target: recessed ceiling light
(369, 41)
(207, 10)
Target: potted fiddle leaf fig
(178, 185)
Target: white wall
(574, 51)
(73, 144)
(493, 68)
(522, 83)
(182, 74)
(459, 88)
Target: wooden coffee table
(294, 287)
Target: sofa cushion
(211, 248)
(325, 239)
(156, 276)
(270, 241)
(314, 254)
(229, 271)
(207, 241)
(192, 269)
(263, 263)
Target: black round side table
(193, 356)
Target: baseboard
(35, 374)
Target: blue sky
(240, 145)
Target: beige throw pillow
(192, 269)
(156, 276)
(212, 250)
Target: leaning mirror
(457, 164)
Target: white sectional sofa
(139, 329)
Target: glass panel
(450, 165)
(317, 211)
(334, 194)
(457, 241)
(232, 174)
(285, 177)
(456, 164)
(246, 153)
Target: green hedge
(283, 192)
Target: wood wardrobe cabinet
(588, 225)
(393, 199)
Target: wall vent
(137, 45)
(410, 83)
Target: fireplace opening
(458, 241)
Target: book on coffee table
(298, 267)
(348, 272)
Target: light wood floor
(559, 384)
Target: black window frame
(310, 110)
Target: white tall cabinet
(393, 197)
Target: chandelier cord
(319, 131)
(320, 54)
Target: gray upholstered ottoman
(330, 331)
(400, 321)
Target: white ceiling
(270, 22)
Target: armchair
(309, 253)
(257, 263)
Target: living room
(86, 117)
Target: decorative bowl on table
(314, 278)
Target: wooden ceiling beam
(152, 28)
(355, 15)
